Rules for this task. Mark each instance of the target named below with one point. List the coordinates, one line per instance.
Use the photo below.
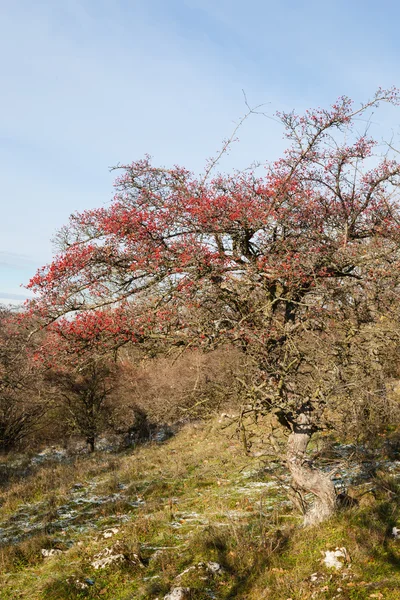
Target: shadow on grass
(243, 552)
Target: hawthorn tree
(298, 267)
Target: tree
(84, 391)
(297, 267)
(22, 402)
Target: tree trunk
(305, 478)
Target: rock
(49, 553)
(106, 558)
(332, 557)
(110, 443)
(80, 585)
(112, 556)
(178, 593)
(110, 532)
(212, 567)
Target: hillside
(193, 517)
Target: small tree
(84, 391)
(296, 267)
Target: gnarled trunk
(305, 478)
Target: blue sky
(90, 83)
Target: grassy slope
(193, 499)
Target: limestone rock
(110, 532)
(50, 553)
(113, 555)
(332, 558)
(178, 593)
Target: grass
(178, 506)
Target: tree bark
(305, 478)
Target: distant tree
(82, 391)
(298, 267)
(22, 398)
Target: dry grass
(200, 500)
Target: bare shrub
(22, 398)
(173, 388)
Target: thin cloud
(14, 260)
(17, 297)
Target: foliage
(307, 252)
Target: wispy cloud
(16, 261)
(18, 297)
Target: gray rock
(50, 553)
(178, 593)
(106, 558)
(332, 558)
